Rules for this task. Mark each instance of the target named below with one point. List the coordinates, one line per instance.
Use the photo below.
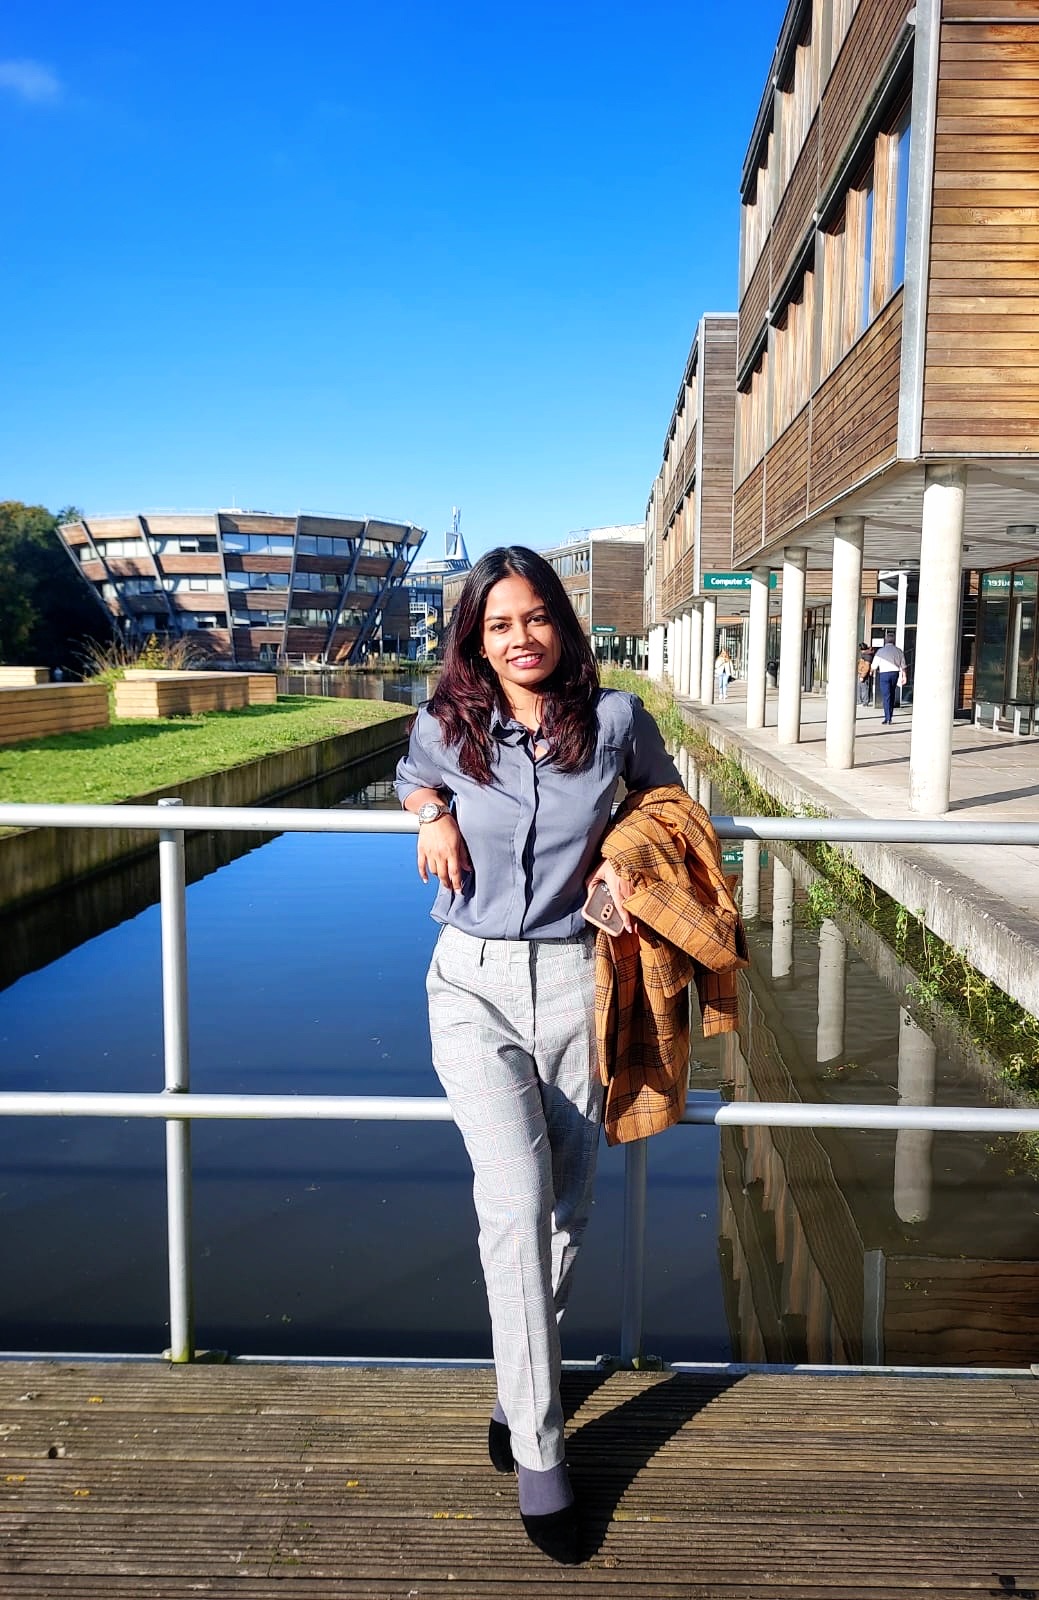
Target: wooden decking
(122, 1480)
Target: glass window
(993, 630)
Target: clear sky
(361, 257)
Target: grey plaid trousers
(512, 1025)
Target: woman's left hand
(620, 889)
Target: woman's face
(519, 638)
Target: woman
(512, 770)
(722, 673)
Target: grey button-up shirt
(533, 832)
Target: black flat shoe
(555, 1535)
(499, 1446)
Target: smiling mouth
(525, 661)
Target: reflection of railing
(179, 1108)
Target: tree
(46, 611)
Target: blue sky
(381, 259)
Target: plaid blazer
(688, 928)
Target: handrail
(178, 1107)
(268, 819)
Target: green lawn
(129, 758)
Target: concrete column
(683, 653)
(829, 1032)
(937, 639)
(750, 899)
(841, 689)
(682, 763)
(695, 651)
(651, 653)
(709, 649)
(782, 919)
(704, 791)
(672, 650)
(791, 637)
(757, 647)
(917, 1058)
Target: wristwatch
(431, 810)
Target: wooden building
(251, 586)
(887, 368)
(601, 570)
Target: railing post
(633, 1259)
(177, 1081)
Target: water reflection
(404, 688)
(846, 1246)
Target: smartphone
(600, 909)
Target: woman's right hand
(442, 852)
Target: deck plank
(138, 1479)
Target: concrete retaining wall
(1000, 942)
(36, 860)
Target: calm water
(307, 956)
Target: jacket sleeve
(419, 769)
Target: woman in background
(512, 770)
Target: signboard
(601, 627)
(713, 581)
(999, 582)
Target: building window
(750, 419)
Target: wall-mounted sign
(712, 581)
(603, 627)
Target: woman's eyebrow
(506, 616)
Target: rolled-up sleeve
(648, 764)
(420, 769)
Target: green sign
(599, 627)
(713, 581)
(999, 582)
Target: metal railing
(179, 1107)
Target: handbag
(902, 678)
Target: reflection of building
(601, 570)
(252, 586)
(842, 1245)
(426, 585)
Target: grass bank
(127, 758)
(945, 981)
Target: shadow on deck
(122, 1479)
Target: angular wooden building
(252, 585)
(888, 352)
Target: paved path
(135, 1481)
(984, 900)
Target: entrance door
(1021, 645)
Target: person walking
(722, 673)
(511, 770)
(863, 669)
(890, 666)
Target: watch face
(430, 811)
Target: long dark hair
(469, 690)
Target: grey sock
(541, 1493)
(498, 1415)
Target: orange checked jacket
(688, 928)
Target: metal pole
(633, 1260)
(177, 1081)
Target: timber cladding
(718, 426)
(981, 366)
(854, 415)
(754, 304)
(748, 512)
(786, 482)
(796, 209)
(616, 585)
(875, 29)
(50, 708)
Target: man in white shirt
(889, 664)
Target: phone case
(600, 909)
